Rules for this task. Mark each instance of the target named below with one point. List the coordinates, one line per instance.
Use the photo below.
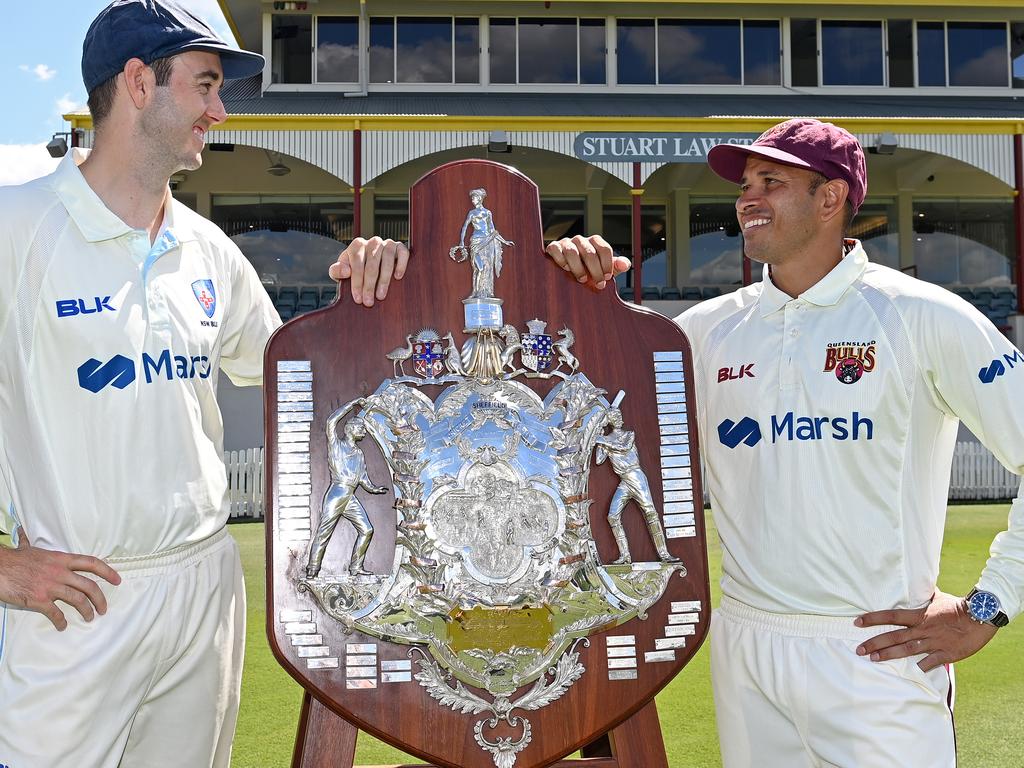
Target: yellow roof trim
(1005, 126)
(231, 22)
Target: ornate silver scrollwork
(496, 576)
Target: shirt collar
(824, 293)
(94, 220)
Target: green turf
(989, 685)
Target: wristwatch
(984, 608)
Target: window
(561, 217)
(618, 231)
(288, 238)
(467, 51)
(337, 49)
(382, 50)
(391, 218)
(875, 226)
(901, 53)
(762, 52)
(931, 53)
(804, 42)
(547, 51)
(423, 50)
(503, 50)
(716, 247)
(961, 242)
(635, 47)
(291, 43)
(592, 52)
(1017, 53)
(698, 51)
(977, 53)
(851, 53)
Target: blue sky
(41, 76)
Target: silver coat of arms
(496, 576)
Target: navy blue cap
(151, 30)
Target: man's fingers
(371, 269)
(76, 599)
(554, 250)
(96, 567)
(92, 591)
(606, 254)
(401, 260)
(901, 617)
(620, 264)
(54, 614)
(389, 253)
(341, 270)
(357, 256)
(592, 261)
(885, 640)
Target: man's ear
(139, 82)
(833, 200)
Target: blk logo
(746, 431)
(730, 374)
(996, 368)
(118, 371)
(93, 306)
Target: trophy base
(482, 314)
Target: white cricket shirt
(828, 423)
(110, 434)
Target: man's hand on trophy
(589, 259)
(370, 265)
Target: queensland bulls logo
(850, 360)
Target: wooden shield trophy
(485, 539)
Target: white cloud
(65, 104)
(22, 162)
(210, 12)
(44, 72)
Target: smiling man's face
(186, 108)
(776, 210)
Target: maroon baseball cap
(804, 143)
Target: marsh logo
(93, 375)
(997, 368)
(119, 371)
(789, 427)
(746, 431)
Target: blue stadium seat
(271, 292)
(691, 293)
(651, 293)
(671, 293)
(626, 292)
(711, 291)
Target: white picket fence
(245, 482)
(976, 476)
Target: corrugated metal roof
(243, 97)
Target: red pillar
(1018, 218)
(638, 260)
(357, 183)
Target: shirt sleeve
(248, 323)
(977, 375)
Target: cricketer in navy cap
(150, 30)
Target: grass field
(990, 686)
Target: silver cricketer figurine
(485, 246)
(619, 447)
(348, 472)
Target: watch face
(984, 606)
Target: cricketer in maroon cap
(829, 395)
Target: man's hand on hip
(942, 629)
(37, 579)
(589, 259)
(371, 265)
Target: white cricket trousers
(791, 691)
(154, 683)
